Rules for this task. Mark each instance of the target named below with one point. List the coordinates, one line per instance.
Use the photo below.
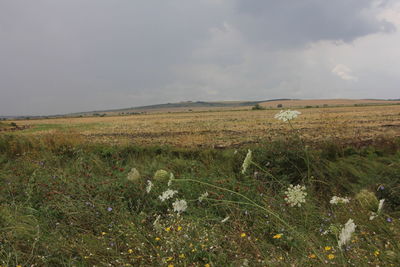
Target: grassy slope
(63, 203)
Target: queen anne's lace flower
(149, 186)
(167, 194)
(246, 161)
(203, 196)
(179, 205)
(295, 195)
(287, 115)
(345, 234)
(339, 200)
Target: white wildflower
(246, 161)
(345, 234)
(167, 194)
(203, 196)
(380, 205)
(375, 214)
(171, 177)
(149, 186)
(225, 219)
(133, 175)
(339, 200)
(179, 205)
(287, 115)
(295, 195)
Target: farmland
(225, 128)
(153, 190)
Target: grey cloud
(292, 23)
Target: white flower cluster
(295, 195)
(149, 186)
(179, 205)
(287, 115)
(167, 194)
(247, 161)
(375, 214)
(203, 196)
(345, 234)
(339, 200)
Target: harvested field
(229, 127)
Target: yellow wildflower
(207, 265)
(327, 248)
(242, 235)
(277, 236)
(168, 229)
(312, 256)
(179, 228)
(169, 259)
(182, 256)
(170, 265)
(376, 253)
(103, 233)
(330, 256)
(157, 239)
(130, 251)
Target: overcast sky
(60, 56)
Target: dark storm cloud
(59, 56)
(291, 23)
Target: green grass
(67, 203)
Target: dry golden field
(227, 128)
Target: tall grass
(64, 202)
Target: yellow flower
(168, 229)
(179, 228)
(207, 265)
(103, 233)
(170, 265)
(312, 256)
(277, 236)
(182, 256)
(330, 256)
(242, 235)
(327, 248)
(169, 259)
(130, 251)
(157, 239)
(376, 253)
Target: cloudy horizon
(68, 56)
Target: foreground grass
(67, 203)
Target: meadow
(153, 190)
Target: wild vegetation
(279, 202)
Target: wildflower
(171, 178)
(225, 219)
(207, 265)
(376, 253)
(347, 231)
(380, 206)
(330, 256)
(246, 161)
(389, 220)
(179, 228)
(339, 200)
(295, 195)
(168, 229)
(130, 251)
(182, 256)
(179, 205)
(103, 233)
(277, 236)
(161, 174)
(149, 186)
(203, 196)
(327, 248)
(169, 259)
(170, 265)
(133, 175)
(312, 256)
(109, 209)
(157, 239)
(243, 235)
(287, 115)
(167, 194)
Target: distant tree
(279, 106)
(257, 107)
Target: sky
(62, 56)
